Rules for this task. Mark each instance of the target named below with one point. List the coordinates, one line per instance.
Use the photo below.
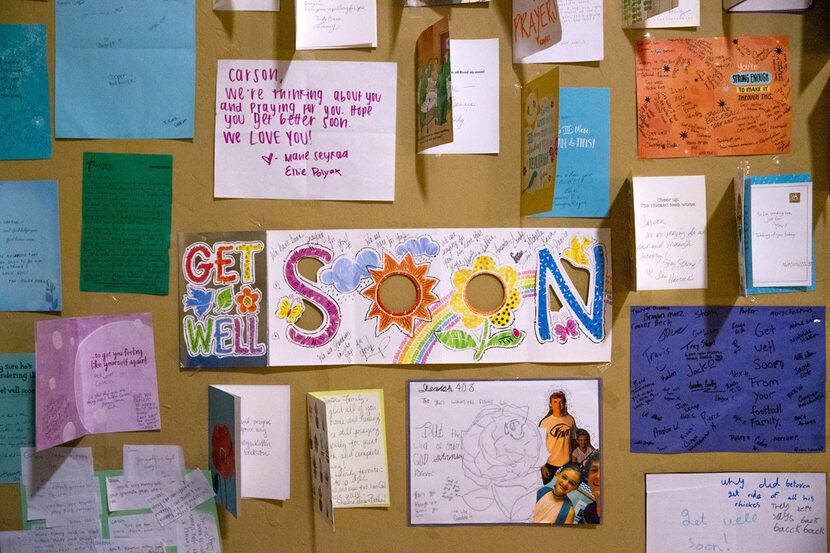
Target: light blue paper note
(30, 257)
(17, 411)
(583, 167)
(125, 69)
(25, 120)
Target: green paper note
(125, 238)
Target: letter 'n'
(591, 324)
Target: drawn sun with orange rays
(417, 274)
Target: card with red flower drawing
(248, 429)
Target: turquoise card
(30, 257)
(125, 69)
(17, 411)
(584, 163)
(25, 119)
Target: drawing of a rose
(222, 451)
(501, 453)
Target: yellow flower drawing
(500, 317)
(576, 253)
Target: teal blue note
(125, 69)
(25, 119)
(583, 166)
(17, 411)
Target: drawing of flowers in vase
(222, 457)
(494, 318)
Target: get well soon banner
(395, 297)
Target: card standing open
(347, 444)
(775, 233)
(766, 5)
(249, 443)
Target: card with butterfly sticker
(387, 296)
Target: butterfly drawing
(576, 253)
(565, 331)
(290, 310)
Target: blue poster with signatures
(727, 379)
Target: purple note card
(94, 375)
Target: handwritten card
(540, 127)
(305, 130)
(637, 11)
(775, 233)
(686, 14)
(64, 502)
(727, 379)
(670, 232)
(713, 97)
(179, 498)
(128, 546)
(583, 160)
(355, 425)
(480, 451)
(40, 469)
(76, 538)
(744, 512)
(433, 79)
(425, 3)
(477, 295)
(766, 5)
(142, 526)
(95, 375)
(556, 31)
(125, 71)
(475, 98)
(198, 532)
(247, 5)
(249, 443)
(30, 259)
(124, 495)
(25, 115)
(323, 24)
(154, 463)
(125, 237)
(17, 411)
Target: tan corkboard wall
(448, 191)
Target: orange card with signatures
(713, 97)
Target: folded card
(554, 31)
(638, 11)
(247, 5)
(349, 24)
(685, 14)
(433, 77)
(742, 512)
(347, 444)
(670, 251)
(249, 443)
(94, 375)
(286, 298)
(713, 96)
(766, 5)
(475, 98)
(540, 130)
(775, 233)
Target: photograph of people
(553, 506)
(583, 446)
(591, 513)
(560, 435)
